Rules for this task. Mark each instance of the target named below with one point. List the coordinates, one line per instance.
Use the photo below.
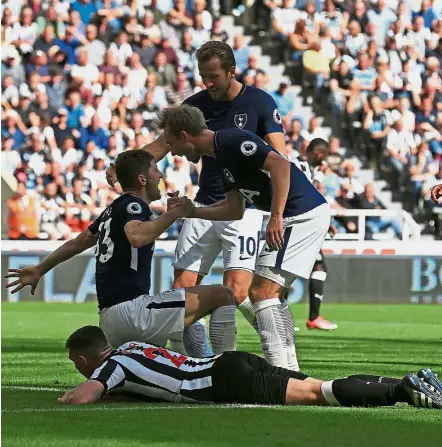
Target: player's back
(122, 272)
(241, 156)
(152, 371)
(252, 109)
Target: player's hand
(111, 175)
(28, 276)
(186, 207)
(173, 201)
(436, 193)
(332, 230)
(275, 233)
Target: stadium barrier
(358, 271)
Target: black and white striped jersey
(150, 371)
(313, 174)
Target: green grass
(379, 339)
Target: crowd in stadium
(82, 81)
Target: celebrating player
(254, 171)
(225, 103)
(315, 154)
(152, 373)
(124, 235)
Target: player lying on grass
(254, 171)
(124, 235)
(148, 372)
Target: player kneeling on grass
(124, 235)
(149, 372)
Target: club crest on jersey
(277, 116)
(248, 147)
(229, 176)
(240, 120)
(134, 208)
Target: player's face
(215, 78)
(153, 182)
(81, 364)
(180, 145)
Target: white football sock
(246, 308)
(272, 331)
(195, 340)
(222, 329)
(289, 325)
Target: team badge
(134, 208)
(229, 176)
(248, 147)
(277, 116)
(240, 120)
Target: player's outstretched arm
(88, 392)
(279, 169)
(157, 148)
(141, 233)
(232, 208)
(30, 276)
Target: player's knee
(184, 278)
(239, 290)
(224, 296)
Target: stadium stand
(82, 81)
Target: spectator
(53, 208)
(34, 154)
(426, 119)
(9, 91)
(25, 31)
(345, 224)
(84, 73)
(42, 107)
(419, 36)
(199, 7)
(137, 127)
(200, 34)
(427, 13)
(355, 186)
(56, 89)
(383, 17)
(359, 14)
(94, 47)
(177, 177)
(13, 67)
(400, 145)
(96, 133)
(68, 43)
(121, 49)
(241, 52)
(186, 54)
(23, 215)
(314, 131)
(375, 224)
(146, 50)
(76, 26)
(170, 53)
(284, 101)
(10, 158)
(340, 82)
(46, 40)
(334, 20)
(377, 124)
(85, 8)
(421, 168)
(177, 94)
(54, 19)
(164, 72)
(150, 29)
(13, 127)
(363, 73)
(300, 41)
(80, 207)
(67, 155)
(331, 181)
(296, 139)
(74, 108)
(354, 40)
(218, 33)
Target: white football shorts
(201, 241)
(303, 239)
(150, 319)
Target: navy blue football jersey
(240, 155)
(122, 272)
(252, 109)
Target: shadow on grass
(31, 345)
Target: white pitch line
(30, 388)
(135, 408)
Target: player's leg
(265, 295)
(303, 238)
(219, 303)
(316, 295)
(240, 245)
(196, 250)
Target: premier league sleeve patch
(277, 116)
(134, 208)
(248, 147)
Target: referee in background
(149, 372)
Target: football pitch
(376, 339)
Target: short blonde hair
(183, 117)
